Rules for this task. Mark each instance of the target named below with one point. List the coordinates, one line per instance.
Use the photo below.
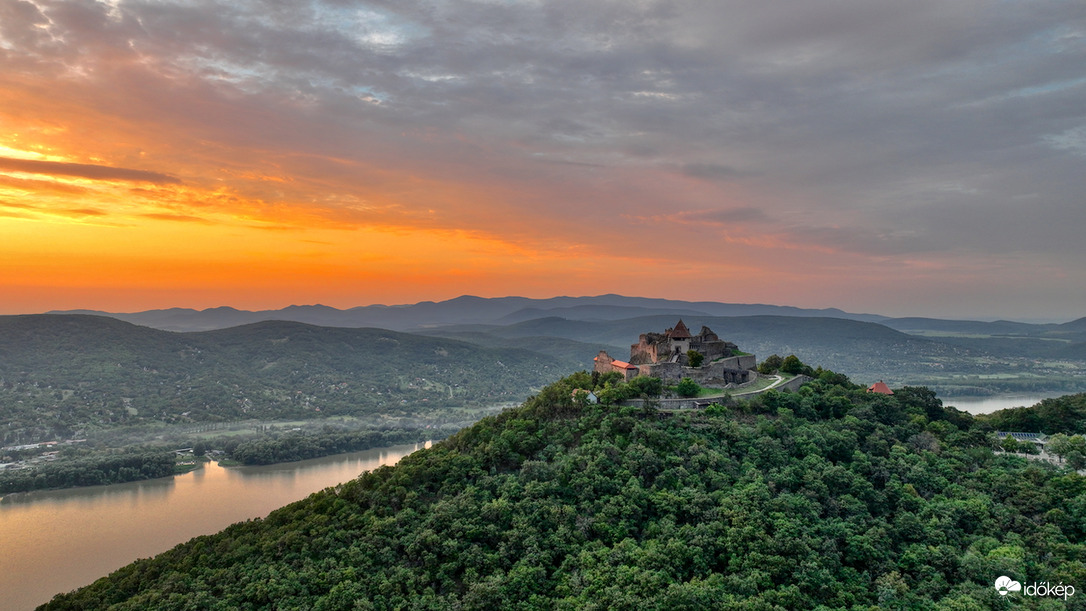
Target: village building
(1038, 439)
(587, 396)
(881, 388)
(605, 364)
(664, 356)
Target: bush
(695, 358)
(687, 388)
(646, 386)
(770, 365)
(792, 365)
(716, 409)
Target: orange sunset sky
(921, 158)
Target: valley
(93, 385)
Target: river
(56, 541)
(987, 405)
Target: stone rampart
(700, 402)
(794, 384)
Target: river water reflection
(987, 405)
(59, 540)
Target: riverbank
(88, 465)
(987, 405)
(58, 540)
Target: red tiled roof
(622, 365)
(680, 331)
(880, 387)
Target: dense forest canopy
(828, 498)
(1065, 415)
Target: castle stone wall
(718, 373)
(653, 353)
(603, 362)
(668, 372)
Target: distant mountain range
(462, 310)
(468, 309)
(953, 356)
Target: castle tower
(680, 337)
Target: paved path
(779, 380)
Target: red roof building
(880, 387)
(605, 364)
(679, 332)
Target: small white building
(588, 395)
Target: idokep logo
(1005, 585)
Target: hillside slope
(834, 497)
(62, 375)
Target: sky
(923, 158)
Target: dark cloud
(83, 170)
(710, 171)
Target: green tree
(1009, 444)
(611, 377)
(792, 365)
(921, 398)
(1076, 456)
(1059, 444)
(646, 386)
(716, 409)
(770, 365)
(695, 358)
(687, 388)
(1076, 460)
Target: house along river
(56, 541)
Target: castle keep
(663, 355)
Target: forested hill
(63, 374)
(830, 498)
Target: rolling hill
(61, 375)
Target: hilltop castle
(663, 355)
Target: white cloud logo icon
(1005, 585)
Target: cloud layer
(922, 157)
(83, 170)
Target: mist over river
(56, 541)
